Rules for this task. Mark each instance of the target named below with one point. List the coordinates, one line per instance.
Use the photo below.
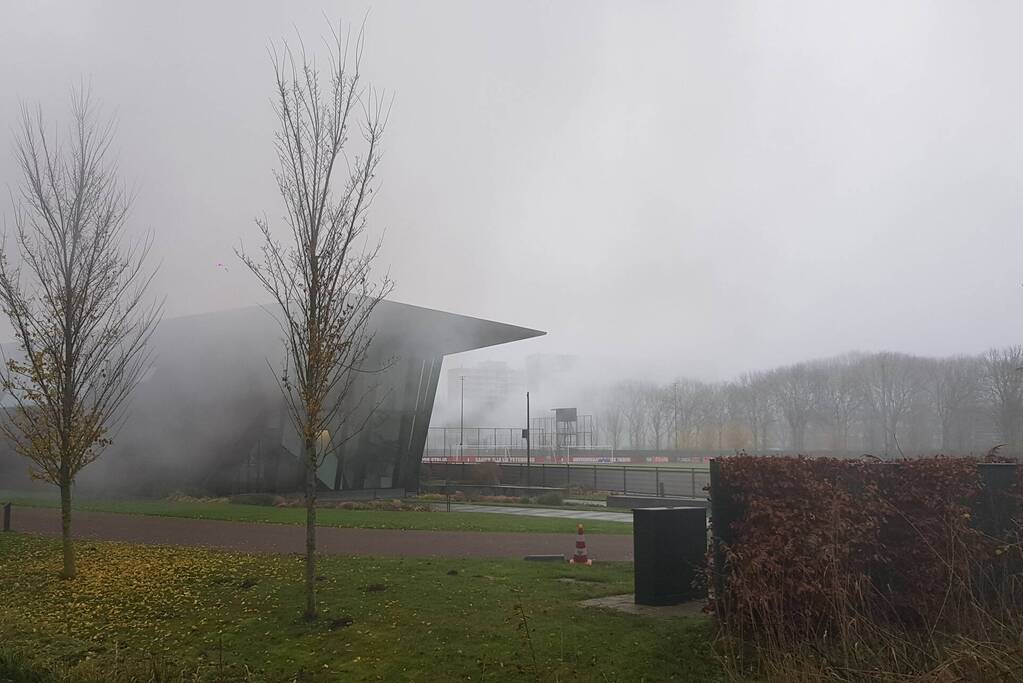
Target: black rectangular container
(670, 546)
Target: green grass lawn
(218, 616)
(363, 519)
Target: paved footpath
(290, 538)
(581, 515)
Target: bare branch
(320, 279)
(75, 297)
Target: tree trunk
(310, 530)
(798, 437)
(65, 530)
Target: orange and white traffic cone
(580, 548)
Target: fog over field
(675, 189)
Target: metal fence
(684, 482)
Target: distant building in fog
(545, 370)
(488, 386)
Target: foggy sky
(698, 188)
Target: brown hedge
(813, 539)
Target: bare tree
(683, 419)
(955, 390)
(883, 402)
(837, 399)
(711, 403)
(321, 281)
(1003, 380)
(612, 418)
(635, 409)
(753, 403)
(890, 384)
(794, 397)
(75, 298)
(659, 407)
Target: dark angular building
(208, 418)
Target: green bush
(551, 498)
(266, 499)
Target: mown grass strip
(332, 517)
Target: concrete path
(581, 515)
(627, 604)
(290, 538)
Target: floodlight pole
(675, 422)
(461, 421)
(557, 439)
(529, 479)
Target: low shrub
(498, 499)
(265, 499)
(431, 497)
(550, 498)
(178, 497)
(468, 497)
(394, 505)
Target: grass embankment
(216, 616)
(329, 517)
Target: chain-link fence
(682, 482)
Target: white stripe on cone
(580, 548)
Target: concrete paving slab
(627, 604)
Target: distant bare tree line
(885, 404)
